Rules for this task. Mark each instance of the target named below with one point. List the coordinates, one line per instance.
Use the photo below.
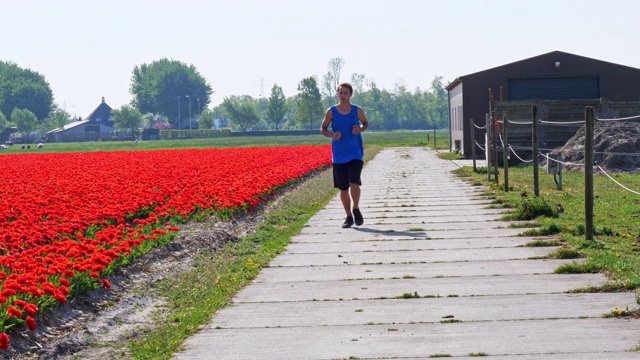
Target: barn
(554, 76)
(97, 126)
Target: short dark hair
(347, 85)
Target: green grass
(616, 246)
(371, 138)
(543, 243)
(413, 295)
(450, 155)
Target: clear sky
(87, 49)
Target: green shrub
(565, 253)
(549, 229)
(532, 207)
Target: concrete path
(431, 272)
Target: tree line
(393, 109)
(169, 94)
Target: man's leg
(355, 195)
(346, 201)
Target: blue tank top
(349, 147)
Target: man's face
(344, 94)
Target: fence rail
(508, 139)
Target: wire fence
(494, 143)
(620, 119)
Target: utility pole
(188, 97)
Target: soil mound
(616, 147)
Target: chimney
(103, 99)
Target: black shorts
(346, 173)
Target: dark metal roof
(550, 54)
(103, 112)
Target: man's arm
(324, 128)
(363, 120)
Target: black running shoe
(348, 222)
(358, 216)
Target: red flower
(60, 297)
(14, 312)
(4, 341)
(7, 292)
(31, 323)
(32, 309)
(64, 290)
(106, 283)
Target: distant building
(220, 123)
(554, 76)
(97, 126)
(5, 135)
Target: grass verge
(615, 249)
(193, 297)
(371, 138)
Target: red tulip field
(67, 220)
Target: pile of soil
(616, 147)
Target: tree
(24, 89)
(262, 106)
(218, 112)
(439, 103)
(242, 111)
(150, 119)
(60, 118)
(25, 120)
(206, 119)
(309, 103)
(331, 79)
(277, 107)
(127, 117)
(289, 121)
(357, 82)
(4, 123)
(162, 86)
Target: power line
(261, 86)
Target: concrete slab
(397, 232)
(459, 229)
(453, 286)
(413, 270)
(409, 213)
(537, 338)
(402, 257)
(423, 310)
(405, 245)
(433, 219)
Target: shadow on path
(416, 234)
